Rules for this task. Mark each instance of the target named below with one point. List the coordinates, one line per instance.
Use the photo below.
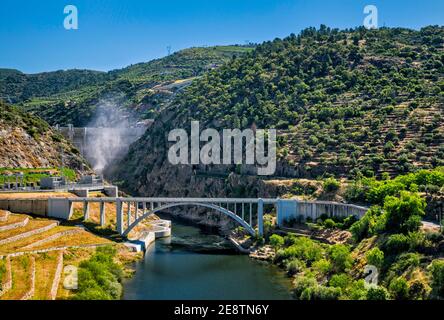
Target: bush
(331, 184)
(294, 266)
(397, 243)
(302, 283)
(370, 224)
(404, 213)
(290, 240)
(341, 257)
(399, 288)
(276, 241)
(419, 290)
(322, 266)
(303, 248)
(99, 277)
(377, 293)
(437, 271)
(348, 222)
(321, 293)
(329, 223)
(357, 290)
(341, 281)
(375, 257)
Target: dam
(82, 137)
(102, 145)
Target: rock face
(28, 142)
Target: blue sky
(116, 33)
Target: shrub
(404, 213)
(290, 240)
(294, 266)
(329, 223)
(99, 277)
(397, 243)
(371, 223)
(322, 266)
(375, 257)
(303, 248)
(357, 290)
(341, 281)
(276, 241)
(399, 288)
(377, 293)
(437, 271)
(419, 290)
(348, 222)
(341, 257)
(302, 283)
(321, 293)
(331, 184)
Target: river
(195, 264)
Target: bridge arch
(218, 208)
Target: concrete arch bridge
(247, 212)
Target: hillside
(346, 103)
(16, 86)
(138, 89)
(28, 142)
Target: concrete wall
(29, 206)
(111, 191)
(59, 208)
(294, 209)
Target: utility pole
(169, 50)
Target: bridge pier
(85, 210)
(102, 214)
(119, 214)
(260, 217)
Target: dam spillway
(102, 145)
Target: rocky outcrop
(28, 142)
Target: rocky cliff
(28, 142)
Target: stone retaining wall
(29, 233)
(21, 253)
(53, 237)
(4, 215)
(15, 225)
(7, 285)
(28, 295)
(57, 277)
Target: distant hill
(28, 142)
(346, 103)
(72, 96)
(16, 86)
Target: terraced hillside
(346, 103)
(34, 251)
(133, 89)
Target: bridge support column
(119, 216)
(129, 213)
(102, 214)
(260, 217)
(85, 210)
